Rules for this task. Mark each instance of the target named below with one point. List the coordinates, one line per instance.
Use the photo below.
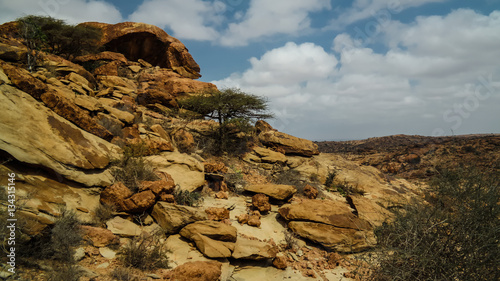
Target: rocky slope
(64, 130)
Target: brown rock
(115, 194)
(253, 249)
(108, 69)
(261, 202)
(165, 186)
(212, 229)
(196, 271)
(150, 43)
(222, 195)
(290, 145)
(269, 156)
(276, 191)
(172, 217)
(254, 221)
(139, 202)
(103, 56)
(217, 214)
(310, 191)
(170, 198)
(334, 213)
(262, 126)
(24, 81)
(217, 167)
(152, 96)
(212, 248)
(243, 218)
(100, 237)
(334, 238)
(280, 261)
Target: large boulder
(276, 191)
(214, 239)
(172, 217)
(286, 143)
(33, 134)
(329, 223)
(150, 43)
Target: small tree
(232, 109)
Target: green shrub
(454, 236)
(184, 197)
(145, 252)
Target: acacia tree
(233, 109)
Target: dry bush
(103, 213)
(122, 274)
(187, 198)
(145, 252)
(454, 236)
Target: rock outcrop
(276, 191)
(172, 217)
(149, 43)
(285, 143)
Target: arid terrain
(109, 180)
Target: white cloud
(188, 19)
(438, 73)
(380, 10)
(266, 18)
(74, 11)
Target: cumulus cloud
(74, 11)
(266, 18)
(188, 19)
(439, 74)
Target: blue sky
(332, 69)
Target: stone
(335, 213)
(334, 238)
(254, 221)
(150, 43)
(261, 202)
(79, 254)
(243, 218)
(276, 191)
(160, 131)
(310, 192)
(139, 202)
(184, 140)
(115, 194)
(172, 217)
(290, 145)
(212, 229)
(100, 237)
(111, 81)
(153, 96)
(163, 186)
(107, 253)
(212, 248)
(222, 195)
(55, 143)
(216, 167)
(12, 53)
(78, 79)
(217, 214)
(196, 271)
(280, 261)
(186, 170)
(269, 156)
(253, 249)
(102, 56)
(23, 80)
(123, 227)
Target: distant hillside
(413, 156)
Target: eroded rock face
(44, 138)
(150, 43)
(172, 217)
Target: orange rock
(115, 194)
(221, 195)
(196, 271)
(218, 167)
(243, 218)
(261, 202)
(166, 186)
(280, 262)
(217, 214)
(139, 202)
(254, 221)
(310, 192)
(100, 237)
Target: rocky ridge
(64, 127)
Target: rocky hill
(102, 136)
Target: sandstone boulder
(100, 237)
(150, 43)
(217, 214)
(310, 192)
(139, 202)
(213, 248)
(115, 194)
(290, 145)
(172, 217)
(196, 271)
(54, 142)
(334, 238)
(212, 229)
(276, 191)
(269, 156)
(253, 249)
(123, 227)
